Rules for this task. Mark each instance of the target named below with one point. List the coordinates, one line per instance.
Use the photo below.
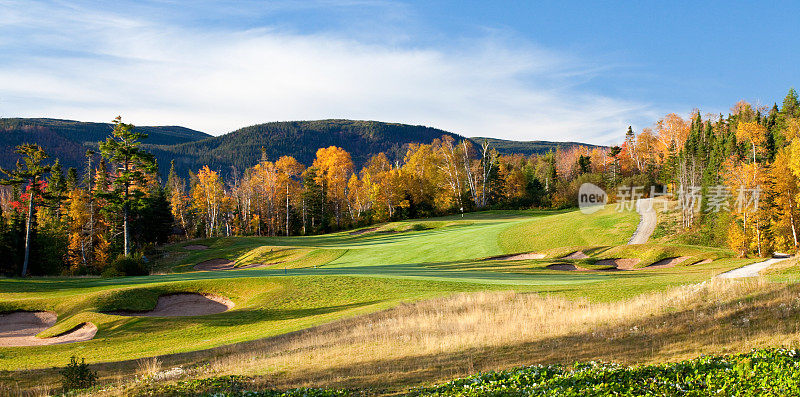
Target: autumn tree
(176, 194)
(289, 171)
(784, 183)
(79, 253)
(671, 133)
(207, 198)
(334, 167)
(28, 172)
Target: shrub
(133, 265)
(77, 375)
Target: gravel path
(647, 221)
(754, 269)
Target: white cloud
(92, 66)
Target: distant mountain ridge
(68, 140)
(300, 139)
(528, 148)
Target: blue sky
(519, 70)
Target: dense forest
(68, 140)
(232, 153)
(103, 218)
(527, 148)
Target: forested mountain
(300, 139)
(528, 148)
(68, 140)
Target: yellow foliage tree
(334, 166)
(208, 195)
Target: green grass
(265, 306)
(605, 227)
(318, 279)
(785, 271)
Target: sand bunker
(362, 231)
(215, 264)
(618, 264)
(21, 328)
(576, 255)
(196, 247)
(181, 305)
(517, 257)
(668, 262)
(703, 262)
(567, 267)
(224, 264)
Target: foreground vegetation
(461, 335)
(773, 372)
(767, 372)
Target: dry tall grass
(147, 367)
(458, 335)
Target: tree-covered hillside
(528, 148)
(68, 140)
(300, 139)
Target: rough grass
(484, 331)
(784, 271)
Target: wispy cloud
(73, 62)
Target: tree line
(104, 219)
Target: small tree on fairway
(29, 171)
(132, 165)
